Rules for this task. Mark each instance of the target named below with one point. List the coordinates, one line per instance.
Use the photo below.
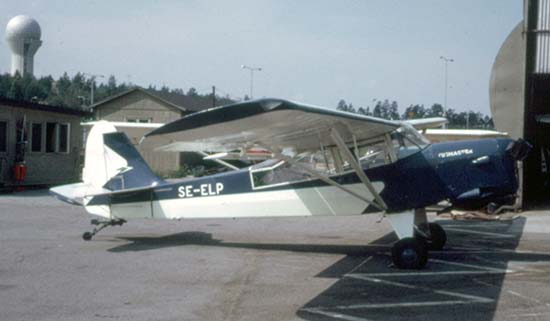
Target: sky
(315, 52)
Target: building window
(36, 137)
(3, 136)
(63, 145)
(51, 137)
(57, 138)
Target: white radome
(23, 37)
(22, 27)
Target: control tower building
(23, 37)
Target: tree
(63, 84)
(383, 109)
(414, 112)
(345, 107)
(342, 105)
(178, 91)
(33, 91)
(17, 89)
(393, 111)
(5, 84)
(112, 87)
(364, 111)
(435, 111)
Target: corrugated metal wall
(542, 62)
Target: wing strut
(325, 179)
(379, 202)
(219, 161)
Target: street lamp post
(92, 77)
(446, 60)
(252, 69)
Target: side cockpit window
(278, 172)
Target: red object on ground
(23, 171)
(16, 172)
(19, 173)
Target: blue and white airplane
(322, 162)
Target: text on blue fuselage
(186, 191)
(455, 153)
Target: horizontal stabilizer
(75, 193)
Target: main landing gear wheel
(410, 253)
(437, 238)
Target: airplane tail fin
(113, 163)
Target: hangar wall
(536, 187)
(520, 97)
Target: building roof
(190, 103)
(182, 102)
(42, 107)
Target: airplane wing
(424, 123)
(268, 123)
(444, 135)
(120, 124)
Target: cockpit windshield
(410, 134)
(407, 141)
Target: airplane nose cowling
(478, 172)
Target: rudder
(112, 161)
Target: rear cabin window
(278, 172)
(3, 136)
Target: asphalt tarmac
(327, 268)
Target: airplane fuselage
(468, 173)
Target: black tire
(87, 236)
(410, 253)
(437, 238)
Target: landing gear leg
(101, 225)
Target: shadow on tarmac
(464, 281)
(201, 238)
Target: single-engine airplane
(322, 162)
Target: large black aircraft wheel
(410, 253)
(437, 238)
(87, 236)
